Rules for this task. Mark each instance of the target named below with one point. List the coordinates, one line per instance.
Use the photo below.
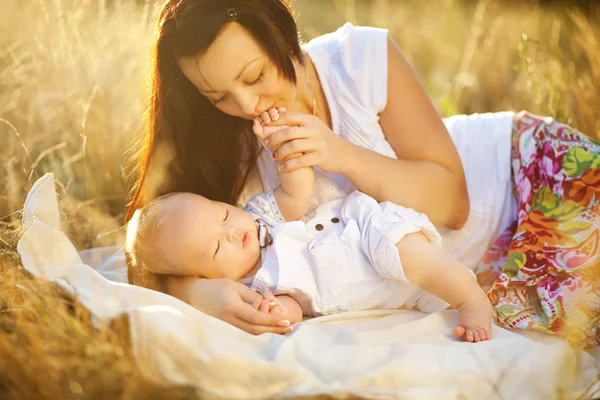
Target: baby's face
(208, 239)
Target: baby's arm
(295, 187)
(293, 312)
(440, 273)
(293, 192)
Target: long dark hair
(190, 145)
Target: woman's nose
(248, 103)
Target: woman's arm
(227, 300)
(428, 175)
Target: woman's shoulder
(347, 38)
(353, 59)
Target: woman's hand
(309, 135)
(281, 305)
(270, 304)
(235, 304)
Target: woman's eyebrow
(243, 69)
(236, 78)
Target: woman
(357, 113)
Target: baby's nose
(232, 233)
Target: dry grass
(50, 349)
(71, 73)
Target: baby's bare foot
(259, 125)
(475, 321)
(263, 132)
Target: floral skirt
(543, 272)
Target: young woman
(357, 113)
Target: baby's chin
(255, 267)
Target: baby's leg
(440, 273)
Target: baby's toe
(482, 334)
(266, 117)
(459, 331)
(476, 336)
(257, 128)
(274, 114)
(470, 335)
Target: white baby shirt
(344, 258)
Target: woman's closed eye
(258, 80)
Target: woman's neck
(310, 91)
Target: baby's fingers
(274, 302)
(264, 306)
(276, 310)
(257, 303)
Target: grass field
(72, 76)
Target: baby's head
(187, 234)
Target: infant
(353, 254)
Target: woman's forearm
(424, 186)
(180, 287)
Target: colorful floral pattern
(543, 273)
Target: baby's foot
(475, 321)
(259, 125)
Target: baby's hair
(140, 254)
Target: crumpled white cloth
(372, 354)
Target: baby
(353, 254)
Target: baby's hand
(475, 321)
(270, 305)
(259, 125)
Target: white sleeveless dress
(352, 67)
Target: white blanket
(373, 354)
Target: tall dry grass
(71, 78)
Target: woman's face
(237, 76)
